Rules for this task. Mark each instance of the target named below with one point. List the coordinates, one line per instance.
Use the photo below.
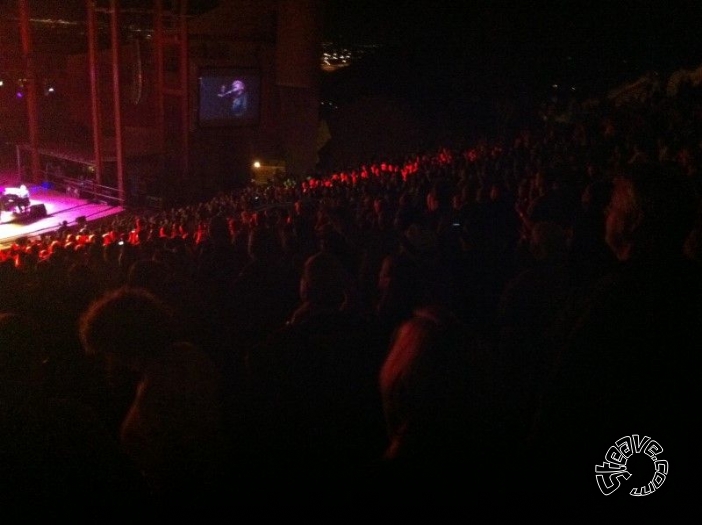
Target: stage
(59, 207)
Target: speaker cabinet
(37, 210)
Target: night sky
(593, 45)
(450, 62)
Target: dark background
(462, 71)
(601, 40)
(442, 70)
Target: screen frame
(210, 76)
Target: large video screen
(229, 97)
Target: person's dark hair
(600, 192)
(218, 229)
(264, 244)
(149, 274)
(128, 322)
(324, 279)
(666, 203)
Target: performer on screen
(239, 97)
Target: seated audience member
(315, 412)
(57, 458)
(262, 294)
(629, 358)
(589, 256)
(553, 203)
(413, 277)
(527, 311)
(435, 389)
(173, 430)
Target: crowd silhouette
(501, 313)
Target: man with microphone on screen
(239, 97)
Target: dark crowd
(418, 332)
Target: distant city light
(336, 57)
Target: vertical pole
(185, 100)
(32, 113)
(95, 89)
(19, 160)
(160, 85)
(114, 26)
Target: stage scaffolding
(169, 29)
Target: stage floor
(59, 208)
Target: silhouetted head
(129, 325)
(651, 212)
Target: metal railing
(87, 189)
